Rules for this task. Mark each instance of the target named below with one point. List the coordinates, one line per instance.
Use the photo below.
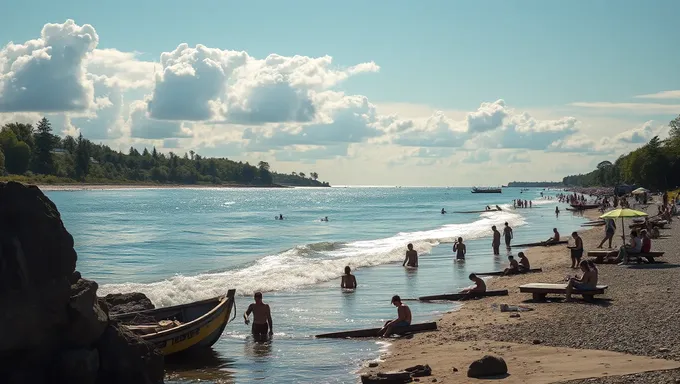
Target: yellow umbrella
(622, 213)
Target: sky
(441, 93)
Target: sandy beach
(630, 335)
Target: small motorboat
(182, 328)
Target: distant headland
(36, 156)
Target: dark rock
(455, 369)
(419, 370)
(387, 378)
(126, 358)
(88, 320)
(127, 302)
(372, 364)
(75, 276)
(537, 341)
(77, 366)
(487, 366)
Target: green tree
(17, 158)
(69, 144)
(264, 173)
(2, 161)
(23, 132)
(82, 164)
(44, 144)
(674, 132)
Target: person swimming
(324, 218)
(348, 279)
(443, 211)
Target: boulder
(487, 366)
(87, 319)
(127, 302)
(126, 358)
(76, 366)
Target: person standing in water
(411, 258)
(507, 233)
(557, 211)
(459, 249)
(348, 279)
(262, 318)
(496, 242)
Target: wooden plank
(500, 273)
(540, 243)
(464, 296)
(614, 253)
(373, 332)
(558, 289)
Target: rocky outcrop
(408, 375)
(54, 328)
(487, 366)
(127, 302)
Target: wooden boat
(182, 328)
(486, 190)
(500, 273)
(541, 243)
(373, 332)
(464, 296)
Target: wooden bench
(602, 256)
(540, 290)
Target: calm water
(181, 245)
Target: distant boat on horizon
(486, 190)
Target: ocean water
(180, 245)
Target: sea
(178, 245)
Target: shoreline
(101, 187)
(478, 328)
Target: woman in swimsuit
(587, 281)
(460, 249)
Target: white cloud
(487, 117)
(637, 108)
(477, 157)
(661, 95)
(120, 69)
(47, 74)
(141, 125)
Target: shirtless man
(496, 243)
(555, 238)
(507, 233)
(348, 280)
(262, 318)
(411, 257)
(576, 250)
(513, 269)
(403, 318)
(480, 285)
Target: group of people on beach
(519, 203)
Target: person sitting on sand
(262, 318)
(587, 281)
(513, 269)
(459, 249)
(403, 318)
(348, 279)
(609, 231)
(496, 242)
(524, 265)
(646, 242)
(634, 247)
(554, 239)
(480, 285)
(577, 250)
(411, 259)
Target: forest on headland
(655, 165)
(36, 155)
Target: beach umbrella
(623, 213)
(640, 191)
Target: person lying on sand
(554, 239)
(411, 258)
(513, 269)
(403, 318)
(523, 262)
(480, 285)
(262, 318)
(587, 281)
(348, 279)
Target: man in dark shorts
(496, 243)
(403, 318)
(576, 250)
(411, 259)
(262, 327)
(507, 233)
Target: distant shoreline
(99, 187)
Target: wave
(311, 264)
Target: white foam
(310, 264)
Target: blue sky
(538, 56)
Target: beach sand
(536, 346)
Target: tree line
(655, 165)
(36, 153)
